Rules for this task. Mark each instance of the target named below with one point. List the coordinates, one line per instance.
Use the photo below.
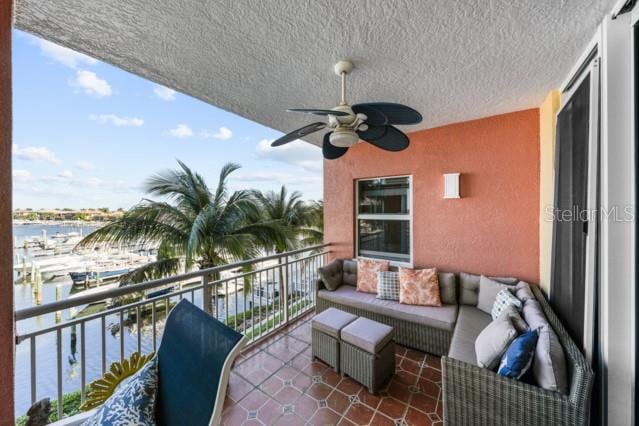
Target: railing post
(206, 295)
(284, 285)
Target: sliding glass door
(574, 253)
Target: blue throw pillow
(133, 402)
(519, 356)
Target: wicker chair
(477, 396)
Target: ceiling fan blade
(385, 137)
(373, 132)
(319, 111)
(330, 151)
(381, 113)
(299, 133)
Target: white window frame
(409, 217)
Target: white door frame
(617, 235)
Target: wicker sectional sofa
(426, 328)
(471, 394)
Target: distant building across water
(90, 215)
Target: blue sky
(87, 134)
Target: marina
(47, 278)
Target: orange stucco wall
(6, 244)
(493, 229)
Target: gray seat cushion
(368, 335)
(349, 272)
(331, 275)
(470, 322)
(331, 321)
(442, 317)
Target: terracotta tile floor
(277, 383)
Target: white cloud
(49, 192)
(63, 176)
(94, 185)
(84, 165)
(66, 57)
(35, 153)
(116, 120)
(21, 175)
(181, 131)
(222, 134)
(278, 177)
(93, 182)
(164, 93)
(91, 84)
(297, 153)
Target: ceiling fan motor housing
(344, 137)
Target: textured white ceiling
(451, 60)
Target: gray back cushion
(488, 291)
(349, 272)
(524, 292)
(447, 288)
(549, 363)
(469, 286)
(515, 318)
(331, 275)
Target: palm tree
(298, 218)
(313, 229)
(289, 210)
(205, 228)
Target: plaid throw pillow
(505, 298)
(388, 285)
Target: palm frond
(161, 268)
(149, 222)
(220, 192)
(183, 186)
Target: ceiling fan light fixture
(344, 138)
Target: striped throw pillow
(505, 298)
(388, 285)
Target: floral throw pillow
(133, 402)
(367, 270)
(419, 287)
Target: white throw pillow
(493, 341)
(504, 299)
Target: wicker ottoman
(367, 353)
(326, 328)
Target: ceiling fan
(371, 122)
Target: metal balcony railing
(256, 297)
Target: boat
(161, 292)
(94, 291)
(61, 269)
(229, 289)
(265, 294)
(92, 276)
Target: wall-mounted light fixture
(451, 185)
